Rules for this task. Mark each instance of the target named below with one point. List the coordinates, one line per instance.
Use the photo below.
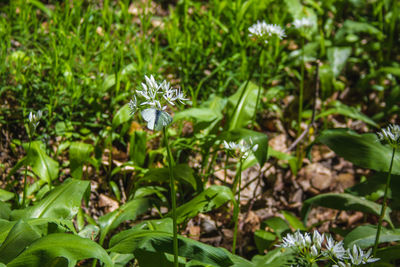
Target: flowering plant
(262, 30)
(155, 98)
(321, 248)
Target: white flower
(335, 248)
(133, 105)
(303, 23)
(170, 96)
(180, 96)
(318, 239)
(357, 256)
(34, 119)
(342, 264)
(263, 30)
(390, 134)
(242, 147)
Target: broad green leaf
(337, 57)
(389, 253)
(128, 211)
(355, 27)
(5, 211)
(373, 188)
(336, 107)
(19, 237)
(278, 225)
(42, 165)
(205, 119)
(274, 258)
(79, 154)
(123, 115)
(343, 202)
(363, 150)
(71, 247)
(109, 82)
(182, 173)
(364, 236)
(242, 106)
(326, 77)
(163, 225)
(208, 200)
(137, 147)
(264, 240)
(293, 220)
(62, 202)
(258, 138)
(130, 241)
(121, 260)
(392, 70)
(5, 195)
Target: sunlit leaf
(364, 236)
(62, 202)
(363, 150)
(132, 241)
(79, 154)
(123, 115)
(73, 248)
(42, 165)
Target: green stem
(237, 206)
(261, 62)
(173, 196)
(25, 175)
(301, 88)
(384, 204)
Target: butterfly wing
(150, 116)
(163, 119)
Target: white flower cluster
(155, 94)
(391, 134)
(242, 147)
(262, 30)
(303, 23)
(316, 249)
(34, 121)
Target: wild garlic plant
(240, 151)
(153, 100)
(263, 33)
(303, 26)
(390, 135)
(319, 247)
(33, 123)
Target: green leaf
(5, 211)
(363, 150)
(45, 250)
(182, 172)
(128, 211)
(242, 106)
(364, 236)
(389, 253)
(79, 154)
(18, 238)
(355, 27)
(326, 77)
(5, 195)
(130, 241)
(337, 57)
(258, 138)
(42, 7)
(351, 112)
(343, 202)
(264, 240)
(293, 220)
(123, 115)
(42, 165)
(278, 225)
(62, 202)
(208, 200)
(274, 258)
(137, 147)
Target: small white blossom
(303, 23)
(318, 239)
(342, 264)
(358, 256)
(242, 147)
(390, 134)
(34, 120)
(263, 30)
(133, 105)
(334, 248)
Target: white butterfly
(156, 119)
